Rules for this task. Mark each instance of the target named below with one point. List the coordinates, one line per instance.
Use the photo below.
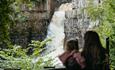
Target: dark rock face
(35, 28)
(74, 24)
(59, 2)
(24, 36)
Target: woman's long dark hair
(93, 51)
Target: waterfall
(56, 33)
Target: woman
(71, 58)
(93, 52)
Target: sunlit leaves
(39, 46)
(18, 59)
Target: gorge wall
(35, 27)
(77, 21)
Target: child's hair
(72, 45)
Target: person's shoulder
(77, 54)
(64, 56)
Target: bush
(16, 58)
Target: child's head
(72, 45)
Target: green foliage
(112, 54)
(38, 46)
(105, 30)
(19, 6)
(5, 21)
(22, 6)
(11, 12)
(105, 13)
(16, 58)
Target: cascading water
(56, 32)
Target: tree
(5, 21)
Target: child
(72, 58)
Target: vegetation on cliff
(105, 14)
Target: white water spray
(56, 32)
